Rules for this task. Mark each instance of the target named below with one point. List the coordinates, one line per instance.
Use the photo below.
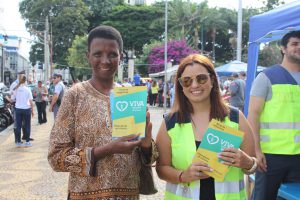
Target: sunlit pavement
(25, 173)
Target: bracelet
(180, 177)
(252, 169)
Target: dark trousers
(23, 115)
(160, 99)
(15, 124)
(280, 169)
(153, 99)
(41, 109)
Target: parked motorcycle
(6, 117)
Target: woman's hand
(125, 145)
(236, 157)
(195, 172)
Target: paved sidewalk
(25, 173)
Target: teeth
(196, 92)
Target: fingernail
(211, 169)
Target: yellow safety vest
(183, 150)
(280, 118)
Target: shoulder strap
(234, 114)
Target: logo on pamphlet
(212, 139)
(121, 105)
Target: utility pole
(166, 55)
(46, 51)
(239, 33)
(2, 64)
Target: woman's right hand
(195, 172)
(125, 145)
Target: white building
(13, 61)
(135, 2)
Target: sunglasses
(187, 80)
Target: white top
(22, 95)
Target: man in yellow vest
(274, 113)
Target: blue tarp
(267, 27)
(232, 67)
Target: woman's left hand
(236, 157)
(146, 142)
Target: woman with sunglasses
(197, 102)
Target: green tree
(270, 55)
(99, 10)
(136, 24)
(143, 59)
(271, 4)
(77, 57)
(66, 17)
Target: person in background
(137, 79)
(58, 94)
(237, 92)
(197, 102)
(275, 118)
(24, 110)
(40, 92)
(81, 138)
(172, 90)
(11, 90)
(243, 76)
(154, 93)
(126, 83)
(160, 93)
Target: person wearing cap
(275, 118)
(58, 93)
(237, 90)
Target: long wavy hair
(22, 80)
(218, 109)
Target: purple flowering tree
(177, 49)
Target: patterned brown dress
(84, 122)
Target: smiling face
(197, 92)
(104, 57)
(292, 50)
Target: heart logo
(212, 139)
(121, 105)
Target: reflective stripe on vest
(266, 138)
(183, 190)
(192, 193)
(229, 187)
(280, 121)
(280, 125)
(183, 150)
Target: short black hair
(107, 32)
(286, 37)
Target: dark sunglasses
(187, 81)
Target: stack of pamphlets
(217, 137)
(129, 111)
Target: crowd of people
(102, 168)
(23, 94)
